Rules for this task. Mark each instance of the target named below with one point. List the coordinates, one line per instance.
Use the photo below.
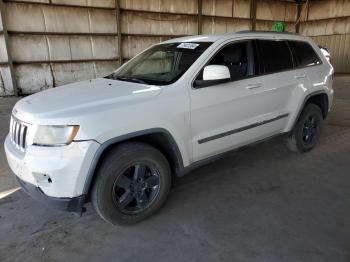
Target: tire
(305, 134)
(118, 194)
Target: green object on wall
(279, 27)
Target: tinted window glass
(305, 54)
(235, 57)
(258, 66)
(275, 55)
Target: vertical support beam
(199, 17)
(297, 24)
(253, 14)
(119, 32)
(7, 46)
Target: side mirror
(214, 75)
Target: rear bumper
(74, 204)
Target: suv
(117, 141)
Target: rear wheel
(306, 132)
(132, 184)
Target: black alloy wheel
(132, 183)
(311, 129)
(136, 188)
(307, 129)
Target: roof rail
(266, 32)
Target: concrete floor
(262, 203)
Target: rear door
(281, 77)
(308, 61)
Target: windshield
(162, 64)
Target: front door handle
(253, 86)
(299, 76)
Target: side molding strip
(234, 131)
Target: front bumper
(74, 204)
(57, 172)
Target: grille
(18, 133)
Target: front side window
(305, 54)
(275, 55)
(162, 64)
(238, 59)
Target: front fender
(106, 144)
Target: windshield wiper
(111, 76)
(132, 79)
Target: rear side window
(275, 55)
(305, 55)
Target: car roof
(239, 34)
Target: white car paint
(105, 109)
(326, 54)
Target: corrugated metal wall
(339, 47)
(267, 12)
(53, 42)
(328, 23)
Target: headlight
(54, 135)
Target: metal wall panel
(132, 45)
(32, 78)
(80, 39)
(329, 17)
(65, 73)
(328, 23)
(158, 24)
(326, 27)
(276, 11)
(51, 18)
(220, 25)
(92, 3)
(226, 8)
(166, 6)
(328, 9)
(339, 47)
(60, 47)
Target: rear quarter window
(304, 54)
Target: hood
(65, 101)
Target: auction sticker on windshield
(188, 45)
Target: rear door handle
(299, 76)
(253, 86)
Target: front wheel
(132, 183)
(306, 132)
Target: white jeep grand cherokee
(118, 140)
